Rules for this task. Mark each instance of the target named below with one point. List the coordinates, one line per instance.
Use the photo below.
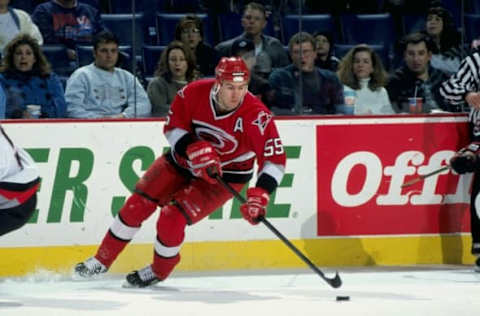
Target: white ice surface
(432, 291)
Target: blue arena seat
(454, 6)
(167, 22)
(342, 49)
(231, 26)
(413, 23)
(84, 55)
(93, 3)
(310, 23)
(179, 6)
(472, 27)
(151, 55)
(58, 58)
(375, 29)
(125, 6)
(475, 7)
(121, 25)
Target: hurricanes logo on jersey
(181, 92)
(262, 121)
(223, 142)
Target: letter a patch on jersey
(262, 121)
(238, 125)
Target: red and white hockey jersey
(239, 137)
(19, 178)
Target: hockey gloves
(203, 159)
(466, 159)
(256, 206)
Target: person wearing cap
(259, 84)
(254, 20)
(216, 128)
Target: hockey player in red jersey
(213, 125)
(19, 182)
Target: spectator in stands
(364, 79)
(176, 68)
(324, 47)
(68, 22)
(190, 31)
(441, 27)
(27, 79)
(100, 90)
(258, 84)
(254, 20)
(13, 22)
(417, 78)
(302, 88)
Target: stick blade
(411, 182)
(336, 282)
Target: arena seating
(310, 23)
(151, 55)
(121, 25)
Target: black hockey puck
(343, 298)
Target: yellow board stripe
(269, 254)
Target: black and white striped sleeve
(465, 80)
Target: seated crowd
(306, 77)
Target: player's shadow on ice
(63, 304)
(5, 305)
(183, 294)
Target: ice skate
(141, 278)
(90, 268)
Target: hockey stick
(422, 177)
(335, 282)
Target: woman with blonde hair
(176, 68)
(364, 78)
(27, 79)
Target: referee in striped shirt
(462, 89)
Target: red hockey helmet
(232, 69)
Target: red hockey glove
(256, 206)
(202, 157)
(466, 159)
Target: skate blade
(127, 285)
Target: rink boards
(340, 201)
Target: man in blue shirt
(68, 22)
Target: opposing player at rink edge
(467, 160)
(19, 182)
(214, 126)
